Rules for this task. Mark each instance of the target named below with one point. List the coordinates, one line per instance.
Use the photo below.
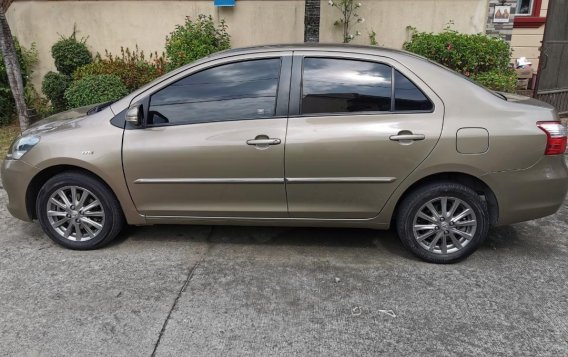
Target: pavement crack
(190, 273)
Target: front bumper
(16, 177)
(531, 193)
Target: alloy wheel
(444, 225)
(75, 213)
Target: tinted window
(339, 86)
(407, 96)
(236, 91)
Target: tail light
(555, 137)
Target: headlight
(21, 146)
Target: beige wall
(526, 42)
(389, 19)
(112, 24)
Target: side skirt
(286, 222)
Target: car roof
(332, 47)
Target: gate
(552, 84)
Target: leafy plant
(39, 107)
(131, 66)
(8, 133)
(94, 89)
(483, 58)
(7, 108)
(70, 53)
(27, 59)
(349, 16)
(373, 38)
(54, 86)
(194, 40)
(467, 54)
(504, 81)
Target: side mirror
(134, 115)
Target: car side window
(234, 91)
(331, 85)
(407, 97)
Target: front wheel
(78, 211)
(443, 222)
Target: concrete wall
(389, 19)
(112, 24)
(526, 42)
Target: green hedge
(499, 80)
(94, 89)
(26, 59)
(483, 58)
(131, 67)
(70, 54)
(54, 86)
(194, 40)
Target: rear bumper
(16, 177)
(532, 193)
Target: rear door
(357, 128)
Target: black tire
(416, 200)
(113, 216)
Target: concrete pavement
(233, 291)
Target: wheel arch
(44, 175)
(473, 182)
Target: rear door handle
(407, 137)
(263, 142)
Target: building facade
(112, 24)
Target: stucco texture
(112, 24)
(390, 18)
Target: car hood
(66, 119)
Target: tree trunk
(312, 21)
(13, 70)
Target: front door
(213, 144)
(357, 128)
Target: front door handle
(407, 137)
(263, 141)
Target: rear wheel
(443, 222)
(78, 212)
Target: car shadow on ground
(500, 238)
(268, 236)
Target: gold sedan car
(328, 135)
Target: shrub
(463, 53)
(70, 53)
(7, 109)
(54, 86)
(94, 89)
(27, 58)
(194, 40)
(478, 56)
(38, 106)
(131, 67)
(504, 81)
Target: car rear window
(407, 97)
(334, 85)
(343, 86)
